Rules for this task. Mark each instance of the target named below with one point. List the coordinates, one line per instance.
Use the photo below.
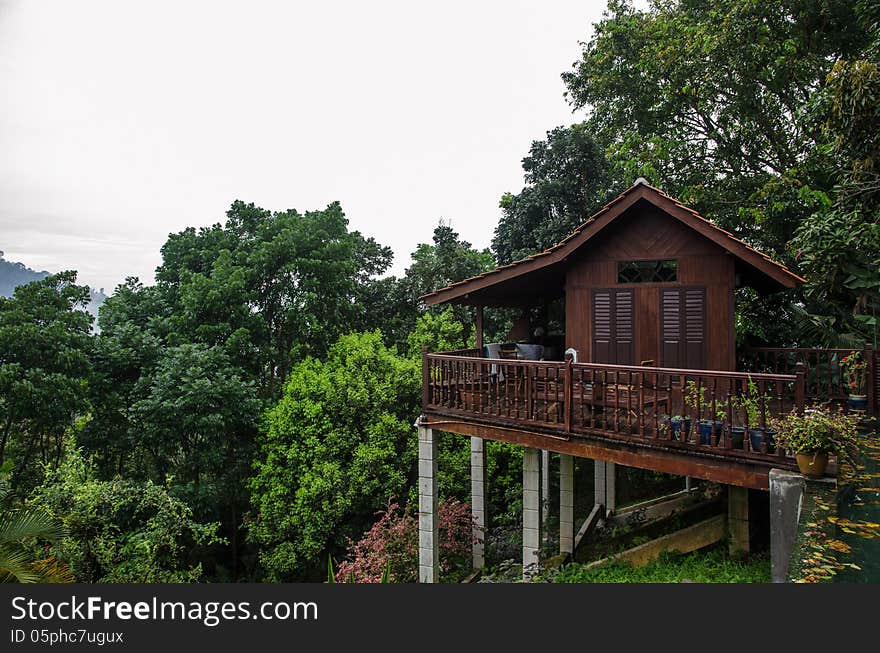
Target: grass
(708, 566)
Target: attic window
(647, 271)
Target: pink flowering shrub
(393, 544)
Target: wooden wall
(643, 233)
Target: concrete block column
(786, 499)
(545, 486)
(531, 511)
(566, 504)
(478, 500)
(604, 486)
(429, 546)
(738, 518)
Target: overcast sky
(124, 121)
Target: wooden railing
(686, 408)
(824, 378)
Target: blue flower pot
(675, 425)
(757, 435)
(707, 427)
(738, 436)
(857, 402)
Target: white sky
(124, 121)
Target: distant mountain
(14, 274)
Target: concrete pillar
(566, 504)
(738, 518)
(531, 511)
(429, 547)
(786, 498)
(604, 487)
(478, 500)
(545, 486)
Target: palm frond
(52, 570)
(15, 567)
(17, 525)
(822, 330)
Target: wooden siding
(648, 233)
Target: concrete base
(738, 519)
(786, 499)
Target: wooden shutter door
(613, 330)
(694, 328)
(623, 327)
(602, 326)
(683, 328)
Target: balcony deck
(621, 414)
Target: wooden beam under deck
(743, 472)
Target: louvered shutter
(613, 329)
(623, 327)
(694, 328)
(602, 319)
(683, 327)
(670, 328)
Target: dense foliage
(122, 531)
(338, 443)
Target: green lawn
(709, 566)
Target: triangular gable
(777, 273)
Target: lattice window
(647, 271)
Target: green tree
(709, 101)
(271, 287)
(438, 331)
(184, 368)
(335, 449)
(434, 266)
(839, 247)
(567, 180)
(45, 368)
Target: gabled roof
(776, 273)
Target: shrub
(391, 546)
(817, 430)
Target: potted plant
(695, 398)
(855, 368)
(752, 403)
(815, 435)
(676, 424)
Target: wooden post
(479, 330)
(799, 387)
(568, 395)
(426, 378)
(871, 380)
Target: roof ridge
(640, 182)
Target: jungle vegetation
(247, 416)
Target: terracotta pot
(812, 465)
